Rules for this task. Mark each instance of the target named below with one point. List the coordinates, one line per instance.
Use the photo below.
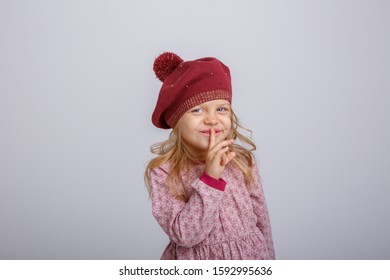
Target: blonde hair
(175, 151)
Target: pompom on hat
(187, 84)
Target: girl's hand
(218, 156)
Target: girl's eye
(196, 110)
(223, 109)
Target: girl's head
(187, 84)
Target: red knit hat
(187, 84)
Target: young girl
(205, 189)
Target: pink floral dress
(221, 219)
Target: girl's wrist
(218, 184)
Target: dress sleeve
(186, 223)
(261, 211)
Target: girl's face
(196, 123)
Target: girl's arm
(186, 223)
(261, 211)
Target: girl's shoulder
(165, 167)
(187, 171)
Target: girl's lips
(207, 132)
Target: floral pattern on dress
(213, 224)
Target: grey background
(310, 78)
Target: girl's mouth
(207, 131)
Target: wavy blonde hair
(175, 151)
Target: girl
(205, 189)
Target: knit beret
(187, 84)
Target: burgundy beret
(187, 84)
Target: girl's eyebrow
(218, 104)
(224, 104)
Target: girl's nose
(211, 119)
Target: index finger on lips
(212, 139)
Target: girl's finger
(212, 139)
(225, 159)
(230, 156)
(220, 145)
(220, 153)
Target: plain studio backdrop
(311, 79)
